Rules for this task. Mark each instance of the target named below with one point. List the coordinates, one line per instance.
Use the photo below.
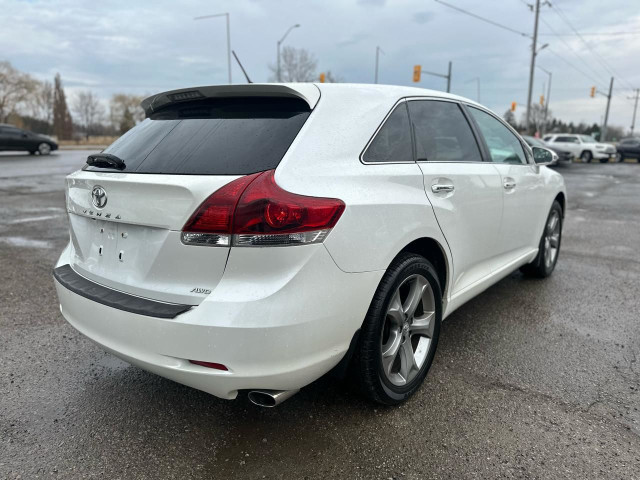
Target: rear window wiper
(105, 160)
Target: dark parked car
(564, 157)
(628, 148)
(14, 138)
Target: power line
(573, 66)
(562, 15)
(495, 24)
(570, 48)
(592, 34)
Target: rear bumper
(271, 331)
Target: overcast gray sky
(149, 46)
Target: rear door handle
(509, 184)
(442, 188)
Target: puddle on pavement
(32, 219)
(25, 242)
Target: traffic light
(322, 78)
(542, 100)
(417, 70)
(513, 106)
(593, 92)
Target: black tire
(604, 160)
(619, 158)
(32, 152)
(367, 363)
(586, 156)
(539, 268)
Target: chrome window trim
(509, 127)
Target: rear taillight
(255, 211)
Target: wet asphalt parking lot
(532, 379)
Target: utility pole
(228, 37)
(533, 64)
(635, 109)
(449, 79)
(378, 50)
(603, 136)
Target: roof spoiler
(305, 91)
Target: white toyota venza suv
(255, 237)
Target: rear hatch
(126, 222)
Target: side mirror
(544, 156)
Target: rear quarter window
(221, 136)
(392, 143)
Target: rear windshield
(221, 136)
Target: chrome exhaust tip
(270, 398)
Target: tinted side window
(504, 146)
(567, 139)
(392, 143)
(217, 136)
(442, 132)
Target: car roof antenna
(243, 70)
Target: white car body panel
(469, 217)
(281, 317)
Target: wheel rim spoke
(424, 325)
(396, 311)
(417, 288)
(553, 223)
(390, 352)
(407, 362)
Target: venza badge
(99, 196)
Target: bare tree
(125, 111)
(296, 65)
(15, 88)
(88, 110)
(538, 118)
(510, 118)
(41, 102)
(331, 77)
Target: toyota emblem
(99, 196)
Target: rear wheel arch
(433, 251)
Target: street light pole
(278, 75)
(533, 64)
(228, 37)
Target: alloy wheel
(552, 239)
(408, 330)
(44, 149)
